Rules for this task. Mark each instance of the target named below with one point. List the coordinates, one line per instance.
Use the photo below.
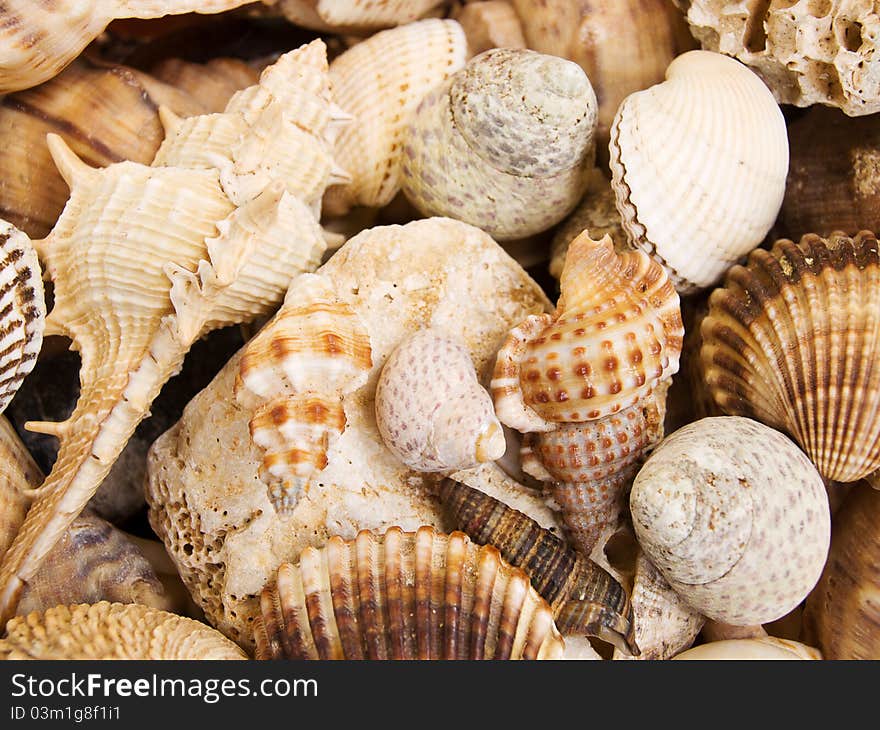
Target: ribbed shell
(699, 164)
(793, 340)
(422, 595)
(735, 517)
(750, 649)
(112, 631)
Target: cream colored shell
(750, 649)
(353, 15)
(490, 24)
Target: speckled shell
(735, 517)
(295, 375)
(112, 631)
(698, 166)
(422, 595)
(505, 144)
(431, 411)
(807, 52)
(842, 613)
(381, 82)
(749, 649)
(490, 24)
(792, 340)
(353, 15)
(585, 599)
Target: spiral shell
(792, 340)
(735, 517)
(112, 631)
(505, 144)
(698, 165)
(750, 649)
(422, 595)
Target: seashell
(698, 165)
(790, 341)
(490, 24)
(735, 517)
(841, 613)
(23, 309)
(112, 631)
(514, 178)
(714, 631)
(584, 598)
(806, 52)
(765, 648)
(834, 174)
(383, 97)
(430, 410)
(170, 257)
(295, 374)
(19, 476)
(353, 15)
(211, 84)
(421, 595)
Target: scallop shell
(490, 24)
(842, 612)
(735, 517)
(112, 631)
(38, 41)
(750, 649)
(584, 598)
(169, 257)
(382, 95)
(431, 411)
(698, 165)
(353, 15)
(295, 375)
(792, 339)
(422, 595)
(505, 144)
(807, 52)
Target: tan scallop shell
(147, 259)
(735, 517)
(792, 340)
(750, 649)
(112, 631)
(381, 82)
(505, 144)
(698, 165)
(353, 15)
(490, 24)
(422, 595)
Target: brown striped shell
(793, 339)
(421, 595)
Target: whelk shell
(749, 649)
(698, 165)
(422, 595)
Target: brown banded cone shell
(421, 595)
(791, 340)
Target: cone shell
(381, 82)
(353, 15)
(112, 631)
(792, 340)
(698, 165)
(735, 517)
(515, 177)
(431, 411)
(422, 595)
(749, 649)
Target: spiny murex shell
(748, 649)
(792, 340)
(698, 166)
(431, 411)
(735, 517)
(147, 259)
(807, 52)
(505, 144)
(112, 631)
(421, 595)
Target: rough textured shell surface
(735, 517)
(807, 52)
(698, 165)
(767, 648)
(421, 595)
(792, 340)
(112, 631)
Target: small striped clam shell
(421, 595)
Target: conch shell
(147, 259)
(698, 165)
(505, 144)
(749, 649)
(735, 517)
(431, 411)
(112, 631)
(792, 340)
(422, 595)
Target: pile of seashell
(492, 329)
